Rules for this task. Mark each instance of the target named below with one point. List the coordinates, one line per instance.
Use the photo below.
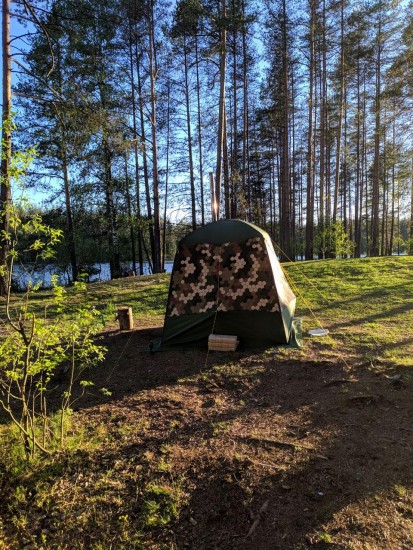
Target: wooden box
(222, 342)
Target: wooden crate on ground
(222, 342)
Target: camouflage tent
(226, 279)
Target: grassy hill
(279, 448)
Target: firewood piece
(222, 342)
(125, 318)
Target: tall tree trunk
(221, 123)
(272, 190)
(340, 115)
(385, 198)
(65, 169)
(136, 154)
(234, 155)
(411, 210)
(189, 132)
(138, 209)
(155, 175)
(245, 132)
(309, 231)
(285, 213)
(107, 155)
(5, 189)
(358, 200)
(145, 158)
(130, 217)
(225, 166)
(168, 139)
(393, 189)
(346, 182)
(201, 169)
(323, 129)
(328, 170)
(293, 174)
(374, 245)
(365, 164)
(259, 208)
(112, 229)
(69, 216)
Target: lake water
(101, 272)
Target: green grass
(161, 504)
(367, 305)
(147, 295)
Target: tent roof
(224, 231)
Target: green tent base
(294, 342)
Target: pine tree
(5, 188)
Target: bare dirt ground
(250, 450)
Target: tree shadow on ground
(307, 438)
(384, 315)
(129, 367)
(310, 440)
(364, 449)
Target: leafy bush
(40, 342)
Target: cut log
(125, 318)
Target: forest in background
(295, 116)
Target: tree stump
(125, 318)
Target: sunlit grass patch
(367, 305)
